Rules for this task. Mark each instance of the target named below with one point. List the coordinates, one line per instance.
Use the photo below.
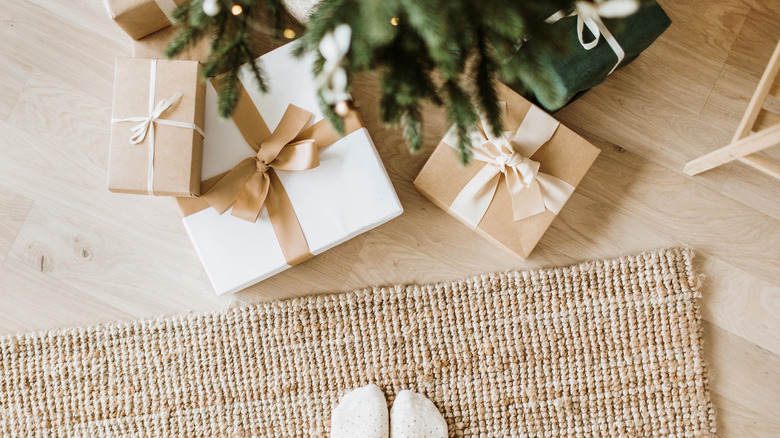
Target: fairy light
(394, 21)
(236, 9)
(342, 108)
(289, 34)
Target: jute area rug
(605, 348)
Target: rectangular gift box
(566, 156)
(553, 79)
(348, 193)
(139, 18)
(174, 167)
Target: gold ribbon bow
(253, 183)
(531, 191)
(253, 180)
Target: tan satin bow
(531, 191)
(253, 182)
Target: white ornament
(211, 7)
(332, 81)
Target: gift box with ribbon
(153, 46)
(279, 184)
(139, 18)
(515, 184)
(156, 127)
(597, 47)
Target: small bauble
(210, 7)
(342, 108)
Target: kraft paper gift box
(153, 46)
(553, 79)
(156, 131)
(542, 160)
(347, 193)
(139, 18)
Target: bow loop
(511, 159)
(248, 185)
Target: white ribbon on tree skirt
(588, 16)
(531, 191)
(146, 125)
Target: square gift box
(346, 194)
(156, 130)
(541, 161)
(139, 18)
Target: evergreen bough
(448, 52)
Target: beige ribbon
(146, 124)
(168, 7)
(532, 192)
(253, 182)
(587, 16)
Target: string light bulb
(394, 21)
(342, 108)
(289, 34)
(236, 9)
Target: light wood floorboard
(72, 253)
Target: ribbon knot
(261, 166)
(140, 130)
(508, 156)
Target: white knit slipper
(414, 416)
(361, 413)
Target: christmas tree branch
(447, 52)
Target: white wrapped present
(346, 193)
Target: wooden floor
(71, 253)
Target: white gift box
(348, 194)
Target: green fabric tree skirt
(553, 78)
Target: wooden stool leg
(745, 144)
(760, 163)
(748, 145)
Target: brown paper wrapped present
(515, 184)
(153, 46)
(156, 129)
(139, 18)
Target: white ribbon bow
(332, 81)
(589, 15)
(146, 125)
(532, 192)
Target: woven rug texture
(605, 348)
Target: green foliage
(447, 52)
(229, 47)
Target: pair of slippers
(362, 413)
